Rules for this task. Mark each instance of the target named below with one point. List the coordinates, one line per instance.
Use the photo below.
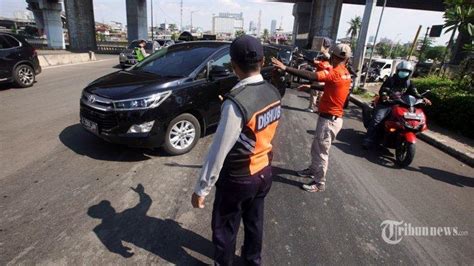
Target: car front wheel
(182, 134)
(24, 76)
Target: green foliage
(453, 103)
(172, 27)
(459, 14)
(266, 34)
(174, 36)
(239, 33)
(435, 53)
(383, 49)
(354, 29)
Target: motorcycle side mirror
(424, 93)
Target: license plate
(412, 116)
(89, 125)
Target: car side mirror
(218, 72)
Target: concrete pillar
(137, 27)
(302, 14)
(48, 15)
(81, 25)
(325, 16)
(38, 14)
(359, 53)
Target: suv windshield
(173, 61)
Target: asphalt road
(59, 185)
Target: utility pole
(375, 42)
(259, 23)
(192, 21)
(414, 42)
(423, 47)
(362, 40)
(181, 22)
(152, 28)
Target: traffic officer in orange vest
(240, 157)
(337, 84)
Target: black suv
(18, 60)
(168, 100)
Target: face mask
(403, 74)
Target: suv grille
(105, 120)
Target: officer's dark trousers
(239, 198)
(380, 113)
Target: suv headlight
(148, 102)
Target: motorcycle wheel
(405, 153)
(367, 114)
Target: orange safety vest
(260, 105)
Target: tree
(265, 35)
(172, 27)
(239, 33)
(434, 53)
(383, 49)
(458, 16)
(426, 43)
(354, 30)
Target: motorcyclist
(398, 84)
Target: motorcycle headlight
(148, 102)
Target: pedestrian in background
(140, 51)
(331, 109)
(240, 156)
(316, 88)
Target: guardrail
(110, 49)
(102, 47)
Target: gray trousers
(326, 132)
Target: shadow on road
(447, 177)
(118, 66)
(278, 173)
(162, 237)
(350, 143)
(84, 143)
(293, 108)
(9, 85)
(175, 164)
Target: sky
(397, 24)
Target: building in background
(226, 24)
(273, 27)
(164, 26)
(116, 26)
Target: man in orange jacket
(337, 84)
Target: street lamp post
(152, 30)
(375, 42)
(192, 20)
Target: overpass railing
(102, 47)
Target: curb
(56, 59)
(456, 153)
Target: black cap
(246, 49)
